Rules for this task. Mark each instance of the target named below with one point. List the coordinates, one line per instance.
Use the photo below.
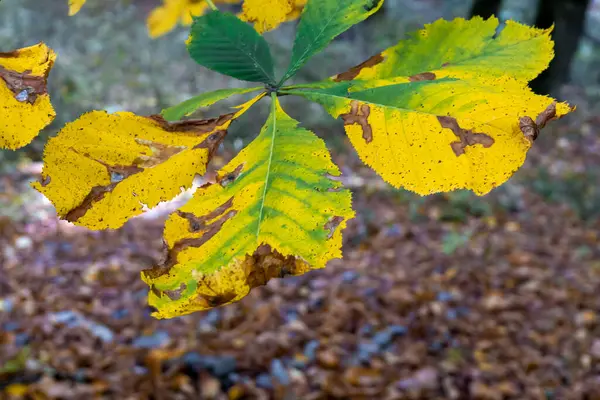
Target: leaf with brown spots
(25, 106)
(431, 135)
(448, 108)
(103, 169)
(274, 211)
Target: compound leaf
(321, 21)
(435, 133)
(274, 211)
(25, 106)
(75, 6)
(101, 169)
(223, 43)
(187, 107)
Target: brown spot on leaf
(216, 300)
(267, 263)
(196, 224)
(195, 126)
(359, 115)
(199, 223)
(117, 174)
(26, 87)
(212, 142)
(531, 128)
(548, 114)
(172, 294)
(45, 181)
(467, 137)
(423, 76)
(160, 153)
(229, 178)
(354, 71)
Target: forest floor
(446, 297)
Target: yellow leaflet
(25, 106)
(448, 108)
(101, 169)
(437, 135)
(163, 19)
(269, 14)
(465, 49)
(275, 211)
(75, 6)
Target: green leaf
(274, 211)
(321, 22)
(223, 43)
(187, 107)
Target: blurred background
(450, 296)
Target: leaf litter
(511, 311)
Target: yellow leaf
(101, 169)
(274, 211)
(163, 19)
(448, 108)
(443, 134)
(269, 14)
(75, 6)
(25, 106)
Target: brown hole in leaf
(354, 71)
(360, 117)
(175, 294)
(229, 178)
(199, 223)
(467, 137)
(266, 263)
(45, 181)
(332, 225)
(26, 87)
(423, 76)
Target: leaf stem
(212, 5)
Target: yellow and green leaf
(188, 106)
(457, 115)
(274, 211)
(102, 169)
(25, 106)
(465, 49)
